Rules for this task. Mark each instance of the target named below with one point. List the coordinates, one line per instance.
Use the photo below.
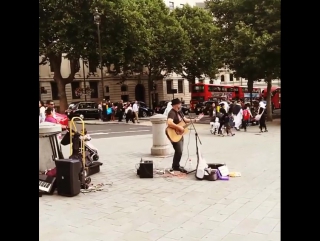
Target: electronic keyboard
(46, 184)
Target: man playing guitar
(174, 118)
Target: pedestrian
(167, 110)
(135, 109)
(113, 111)
(222, 114)
(120, 111)
(262, 113)
(100, 110)
(237, 115)
(245, 117)
(129, 113)
(49, 116)
(227, 124)
(42, 111)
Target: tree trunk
(55, 62)
(250, 88)
(62, 95)
(269, 104)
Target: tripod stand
(196, 135)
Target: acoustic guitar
(174, 135)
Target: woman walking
(222, 115)
(262, 121)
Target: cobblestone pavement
(246, 208)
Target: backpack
(236, 109)
(246, 115)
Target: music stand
(196, 135)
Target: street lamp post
(97, 21)
(84, 81)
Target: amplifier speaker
(145, 169)
(67, 177)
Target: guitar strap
(182, 116)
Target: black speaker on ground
(145, 169)
(67, 177)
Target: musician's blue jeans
(178, 149)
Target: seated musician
(174, 118)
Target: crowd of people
(47, 112)
(237, 115)
(109, 111)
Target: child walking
(227, 125)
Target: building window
(54, 91)
(181, 5)
(107, 89)
(51, 68)
(190, 87)
(125, 98)
(171, 5)
(180, 86)
(94, 89)
(222, 78)
(169, 86)
(124, 88)
(92, 67)
(74, 86)
(231, 77)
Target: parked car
(83, 109)
(62, 119)
(144, 110)
(206, 107)
(199, 108)
(159, 109)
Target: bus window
(198, 98)
(198, 89)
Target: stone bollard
(161, 144)
(48, 131)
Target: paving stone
(245, 226)
(266, 225)
(260, 212)
(274, 236)
(147, 227)
(256, 237)
(167, 209)
(233, 237)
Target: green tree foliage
(203, 58)
(250, 36)
(167, 45)
(67, 27)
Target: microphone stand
(196, 135)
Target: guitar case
(206, 171)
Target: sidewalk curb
(113, 123)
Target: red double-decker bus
(204, 92)
(275, 96)
(244, 93)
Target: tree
(167, 45)
(203, 47)
(250, 34)
(67, 29)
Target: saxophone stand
(196, 135)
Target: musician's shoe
(180, 169)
